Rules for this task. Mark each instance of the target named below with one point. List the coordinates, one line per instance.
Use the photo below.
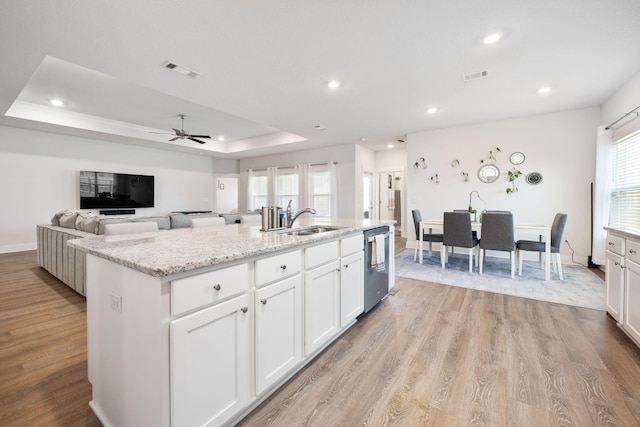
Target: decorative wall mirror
(488, 173)
(516, 158)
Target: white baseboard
(5, 249)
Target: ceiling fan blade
(173, 139)
(162, 133)
(196, 140)
(200, 136)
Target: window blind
(625, 189)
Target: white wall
(624, 100)
(40, 176)
(560, 146)
(343, 154)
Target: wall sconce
(220, 185)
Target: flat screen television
(104, 190)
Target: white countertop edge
(629, 234)
(137, 251)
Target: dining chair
(130, 228)
(458, 233)
(498, 235)
(207, 222)
(557, 230)
(426, 237)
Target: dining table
(542, 230)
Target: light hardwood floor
(429, 355)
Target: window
(287, 188)
(625, 191)
(321, 191)
(258, 191)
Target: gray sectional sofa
(67, 264)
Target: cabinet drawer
(350, 245)
(615, 244)
(193, 292)
(321, 254)
(633, 251)
(277, 267)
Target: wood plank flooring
(430, 355)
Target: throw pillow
(68, 219)
(56, 217)
(87, 222)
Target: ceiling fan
(183, 134)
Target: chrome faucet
(291, 220)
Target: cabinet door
(278, 330)
(614, 279)
(210, 364)
(322, 305)
(632, 300)
(351, 287)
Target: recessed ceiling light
(390, 146)
(432, 110)
(334, 84)
(492, 38)
(221, 138)
(544, 90)
(57, 102)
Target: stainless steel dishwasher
(376, 274)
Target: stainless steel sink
(308, 231)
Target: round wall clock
(534, 178)
(517, 158)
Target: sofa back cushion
(104, 221)
(162, 221)
(180, 220)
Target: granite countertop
(626, 233)
(163, 253)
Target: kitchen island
(198, 326)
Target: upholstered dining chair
(457, 232)
(426, 237)
(557, 230)
(498, 235)
(207, 222)
(130, 228)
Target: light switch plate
(116, 302)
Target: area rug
(581, 287)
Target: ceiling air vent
(180, 69)
(475, 76)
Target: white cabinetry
(210, 364)
(278, 330)
(351, 279)
(632, 290)
(615, 285)
(322, 305)
(623, 282)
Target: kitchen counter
(199, 326)
(164, 253)
(626, 233)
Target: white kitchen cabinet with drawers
(623, 281)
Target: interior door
(368, 194)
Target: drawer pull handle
(611, 243)
(337, 269)
(244, 309)
(217, 286)
(283, 266)
(631, 251)
(616, 263)
(346, 266)
(263, 301)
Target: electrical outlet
(116, 302)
